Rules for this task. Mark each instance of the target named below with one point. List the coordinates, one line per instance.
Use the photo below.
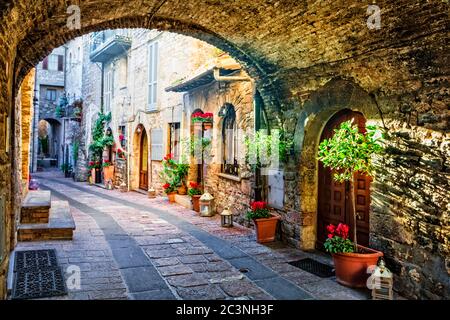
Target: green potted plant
(67, 169)
(182, 170)
(348, 151)
(195, 193)
(169, 176)
(265, 222)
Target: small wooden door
(334, 203)
(143, 161)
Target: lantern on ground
(206, 205)
(226, 218)
(151, 193)
(382, 282)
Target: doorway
(143, 160)
(334, 202)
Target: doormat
(37, 275)
(35, 260)
(315, 267)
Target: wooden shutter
(153, 52)
(157, 144)
(45, 63)
(60, 62)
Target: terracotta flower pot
(108, 173)
(182, 189)
(351, 268)
(196, 202)
(207, 125)
(171, 197)
(266, 228)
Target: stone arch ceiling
(275, 39)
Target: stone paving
(131, 247)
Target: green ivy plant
(349, 151)
(259, 147)
(99, 140)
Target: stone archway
(336, 95)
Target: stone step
(36, 207)
(59, 227)
(183, 200)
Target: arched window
(230, 140)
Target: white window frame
(153, 60)
(53, 62)
(107, 91)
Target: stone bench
(36, 207)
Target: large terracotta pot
(196, 202)
(108, 173)
(266, 228)
(171, 197)
(351, 268)
(182, 189)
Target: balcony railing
(107, 44)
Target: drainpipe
(218, 77)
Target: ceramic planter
(351, 268)
(266, 228)
(182, 190)
(108, 173)
(196, 202)
(171, 197)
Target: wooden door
(334, 203)
(143, 161)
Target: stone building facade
(309, 60)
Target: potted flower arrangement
(195, 193)
(170, 177)
(206, 118)
(265, 222)
(348, 151)
(182, 170)
(170, 190)
(94, 166)
(120, 153)
(108, 171)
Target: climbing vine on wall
(99, 139)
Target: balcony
(108, 44)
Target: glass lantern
(206, 205)
(382, 282)
(226, 218)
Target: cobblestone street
(128, 246)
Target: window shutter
(60, 63)
(45, 63)
(152, 75)
(157, 144)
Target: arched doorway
(334, 199)
(143, 159)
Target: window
(107, 95)
(123, 72)
(50, 95)
(230, 141)
(157, 144)
(174, 140)
(123, 137)
(53, 62)
(152, 75)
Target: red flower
(91, 163)
(207, 115)
(168, 157)
(197, 115)
(194, 185)
(330, 235)
(258, 205)
(166, 185)
(331, 228)
(121, 137)
(342, 230)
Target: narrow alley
(128, 246)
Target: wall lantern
(206, 205)
(382, 282)
(108, 131)
(226, 218)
